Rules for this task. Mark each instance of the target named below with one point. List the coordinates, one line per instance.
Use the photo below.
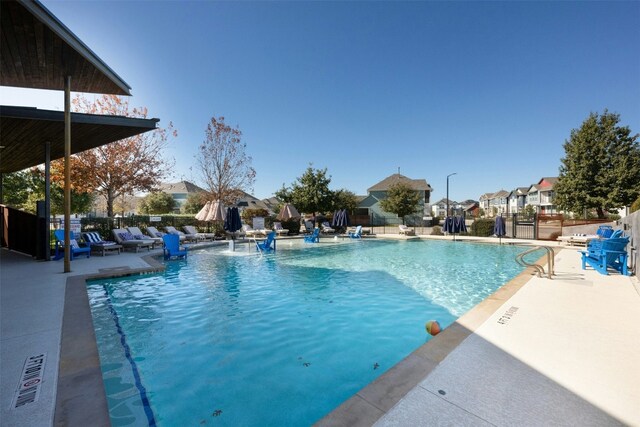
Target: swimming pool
(242, 339)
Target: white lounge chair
(190, 230)
(126, 239)
(249, 231)
(172, 230)
(326, 228)
(137, 234)
(406, 230)
(277, 226)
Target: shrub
(436, 231)
(483, 227)
(635, 206)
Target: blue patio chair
(605, 231)
(76, 249)
(356, 234)
(595, 245)
(172, 248)
(313, 237)
(268, 244)
(612, 254)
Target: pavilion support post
(67, 174)
(47, 200)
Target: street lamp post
(451, 174)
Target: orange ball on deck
(432, 327)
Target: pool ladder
(539, 269)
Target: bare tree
(225, 166)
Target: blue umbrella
(232, 221)
(460, 224)
(334, 221)
(448, 225)
(500, 229)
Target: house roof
(25, 130)
(444, 201)
(501, 193)
(415, 184)
(38, 51)
(180, 187)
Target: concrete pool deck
(539, 351)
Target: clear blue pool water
(238, 339)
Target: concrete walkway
(560, 352)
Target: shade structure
(499, 229)
(232, 221)
(288, 211)
(202, 215)
(216, 212)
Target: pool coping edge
(373, 401)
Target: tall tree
(310, 193)
(123, 167)
(601, 166)
(194, 203)
(157, 203)
(344, 199)
(401, 200)
(224, 164)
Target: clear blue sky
(489, 90)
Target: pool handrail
(539, 269)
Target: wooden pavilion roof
(38, 51)
(25, 131)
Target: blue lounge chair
(612, 253)
(595, 245)
(268, 244)
(172, 248)
(313, 237)
(76, 249)
(356, 234)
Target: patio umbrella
(200, 216)
(288, 211)
(334, 221)
(216, 212)
(232, 221)
(499, 229)
(460, 224)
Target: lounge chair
(172, 230)
(190, 230)
(268, 244)
(76, 249)
(612, 253)
(406, 230)
(308, 227)
(313, 237)
(139, 235)
(126, 239)
(277, 226)
(96, 243)
(357, 234)
(326, 228)
(249, 231)
(172, 248)
(153, 232)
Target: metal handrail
(539, 269)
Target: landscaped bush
(436, 231)
(293, 225)
(483, 227)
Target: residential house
(180, 191)
(370, 205)
(518, 200)
(541, 196)
(483, 202)
(439, 208)
(498, 203)
(471, 210)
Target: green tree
(344, 199)
(601, 166)
(194, 203)
(310, 193)
(401, 200)
(635, 206)
(157, 203)
(529, 211)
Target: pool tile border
(372, 402)
(80, 398)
